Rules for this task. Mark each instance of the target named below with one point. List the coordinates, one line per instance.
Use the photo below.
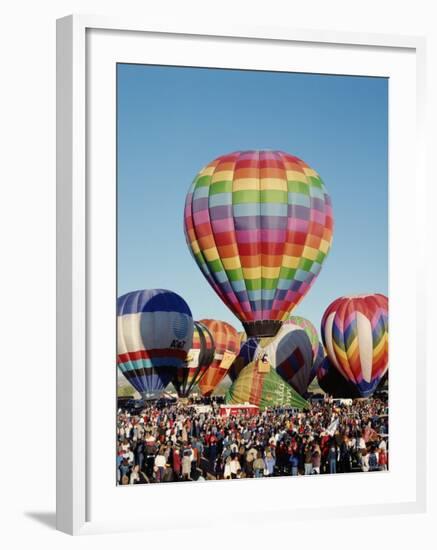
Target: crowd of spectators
(193, 442)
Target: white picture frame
(82, 73)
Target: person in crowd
(227, 468)
(168, 474)
(294, 463)
(160, 462)
(235, 466)
(307, 456)
(135, 476)
(177, 463)
(315, 462)
(124, 468)
(270, 462)
(382, 459)
(373, 460)
(258, 465)
(332, 458)
(364, 460)
(186, 464)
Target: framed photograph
(238, 268)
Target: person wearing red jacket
(177, 463)
(383, 460)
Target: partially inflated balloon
(199, 358)
(289, 353)
(259, 225)
(262, 386)
(226, 344)
(355, 335)
(154, 334)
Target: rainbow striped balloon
(355, 336)
(259, 225)
(154, 334)
(199, 358)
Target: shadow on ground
(45, 518)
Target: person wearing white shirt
(159, 465)
(364, 462)
(235, 467)
(227, 470)
(129, 456)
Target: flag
(333, 427)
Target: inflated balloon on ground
(259, 384)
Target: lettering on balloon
(178, 344)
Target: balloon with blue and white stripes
(154, 334)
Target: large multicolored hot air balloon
(154, 334)
(261, 385)
(199, 358)
(355, 335)
(259, 225)
(290, 353)
(226, 344)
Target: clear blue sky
(172, 121)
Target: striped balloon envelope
(265, 388)
(226, 344)
(199, 358)
(259, 225)
(290, 353)
(154, 334)
(355, 336)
